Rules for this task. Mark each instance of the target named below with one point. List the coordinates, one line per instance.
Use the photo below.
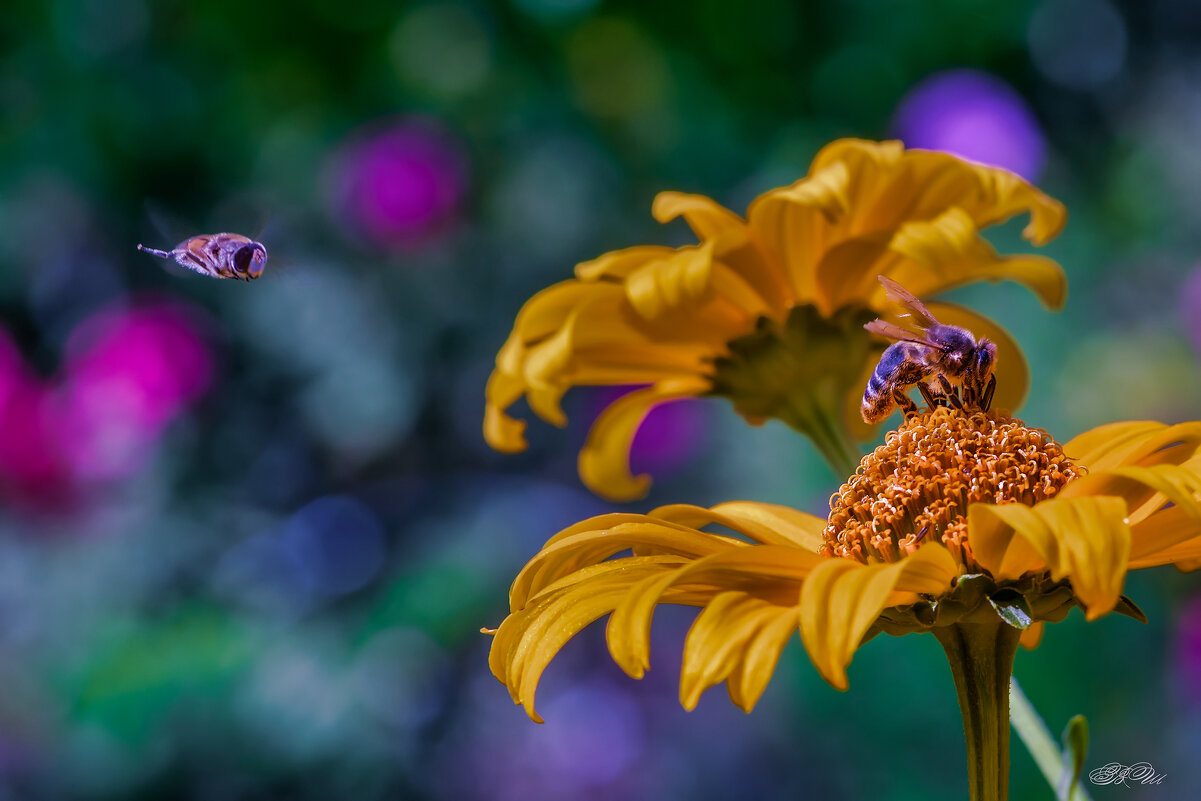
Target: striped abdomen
(901, 366)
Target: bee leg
(952, 394)
(906, 403)
(971, 394)
(931, 400)
(986, 401)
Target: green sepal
(1013, 608)
(1129, 608)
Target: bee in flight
(938, 361)
(218, 255)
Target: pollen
(916, 487)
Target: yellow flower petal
(1161, 538)
(604, 462)
(1135, 443)
(842, 598)
(620, 263)
(763, 522)
(595, 540)
(707, 218)
(1032, 636)
(1012, 371)
(897, 184)
(1086, 540)
(719, 637)
(526, 641)
(760, 655)
(771, 572)
(948, 252)
(1143, 487)
(790, 526)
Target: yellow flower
(966, 524)
(768, 310)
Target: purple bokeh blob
(1187, 656)
(975, 115)
(1190, 307)
(399, 183)
(671, 435)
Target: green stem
(1034, 733)
(824, 427)
(981, 657)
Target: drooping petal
(791, 224)
(1011, 369)
(770, 572)
(1083, 539)
(1135, 443)
(600, 538)
(760, 655)
(895, 185)
(790, 526)
(719, 638)
(948, 252)
(1032, 635)
(763, 522)
(604, 462)
(842, 598)
(1164, 538)
(528, 639)
(707, 218)
(1145, 490)
(617, 264)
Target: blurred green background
(250, 532)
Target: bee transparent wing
(887, 329)
(903, 296)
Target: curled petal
(617, 264)
(526, 641)
(763, 522)
(948, 252)
(605, 459)
(707, 218)
(718, 643)
(1084, 539)
(842, 598)
(1142, 443)
(771, 572)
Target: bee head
(250, 259)
(957, 346)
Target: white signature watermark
(1126, 775)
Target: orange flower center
(916, 487)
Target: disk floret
(916, 487)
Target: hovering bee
(937, 361)
(218, 255)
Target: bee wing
(887, 329)
(903, 296)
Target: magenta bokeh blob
(129, 372)
(974, 115)
(401, 183)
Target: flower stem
(981, 657)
